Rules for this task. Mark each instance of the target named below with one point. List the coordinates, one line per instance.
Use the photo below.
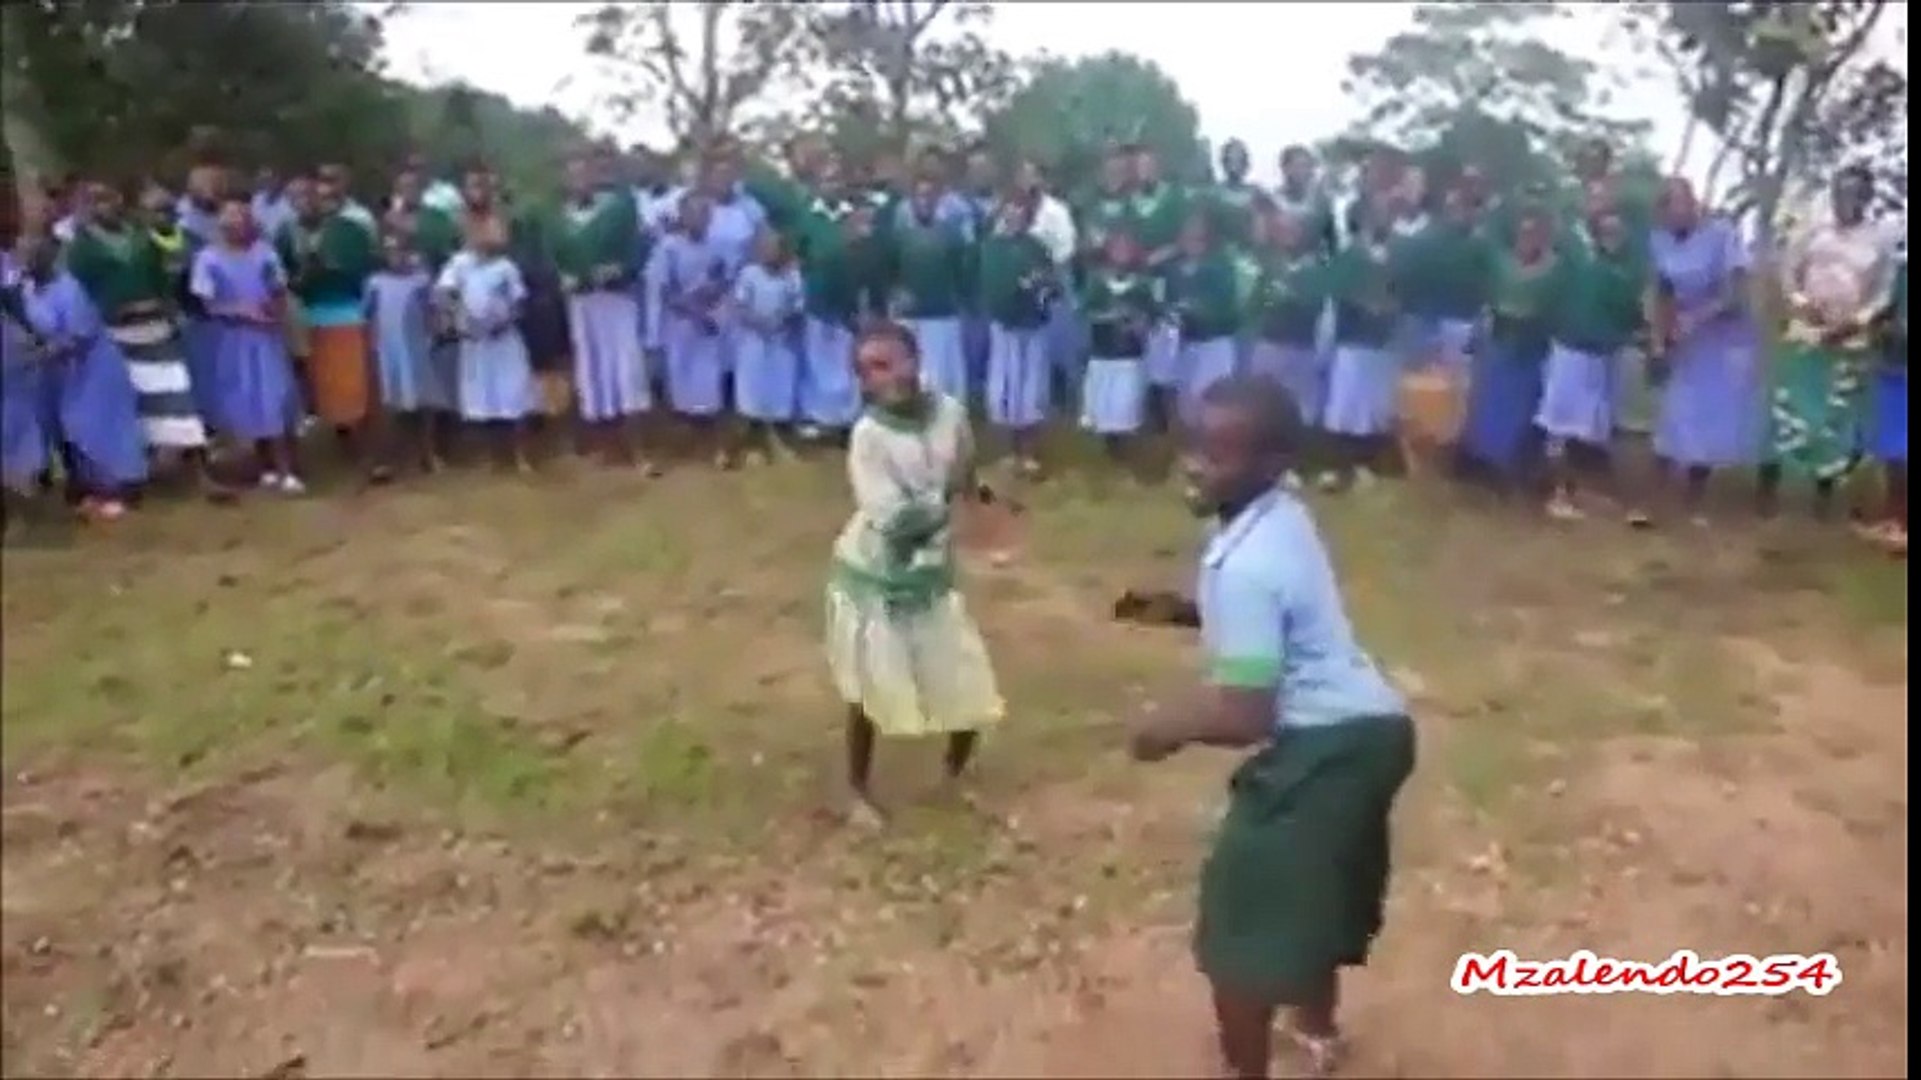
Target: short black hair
(889, 330)
(1273, 412)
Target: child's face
(887, 372)
(1610, 232)
(1530, 240)
(158, 205)
(236, 221)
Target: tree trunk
(35, 161)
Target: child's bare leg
(1245, 1027)
(960, 751)
(860, 764)
(1694, 492)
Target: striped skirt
(157, 363)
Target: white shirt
(1054, 227)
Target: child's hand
(1150, 739)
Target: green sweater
(119, 268)
(1290, 297)
(1599, 305)
(1120, 308)
(597, 243)
(1017, 279)
(929, 269)
(327, 262)
(1361, 282)
(1204, 294)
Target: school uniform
(1597, 315)
(1017, 280)
(1288, 303)
(134, 278)
(1310, 809)
(1442, 275)
(253, 375)
(930, 277)
(1711, 409)
(544, 316)
(595, 250)
(1364, 373)
(1505, 396)
(88, 404)
(328, 262)
(496, 380)
(400, 313)
(1203, 294)
(1122, 308)
(842, 278)
(768, 325)
(1158, 214)
(23, 443)
(687, 284)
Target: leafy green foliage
(1790, 91)
(124, 89)
(1069, 111)
(1477, 82)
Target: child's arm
(1236, 706)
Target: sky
(1221, 54)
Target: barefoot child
(243, 288)
(400, 311)
(767, 319)
(906, 657)
(1505, 396)
(599, 239)
(686, 286)
(1293, 889)
(483, 289)
(1122, 306)
(1888, 428)
(930, 272)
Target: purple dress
(254, 390)
(683, 275)
(86, 397)
(1711, 411)
(23, 445)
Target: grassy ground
(483, 775)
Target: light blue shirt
(1271, 616)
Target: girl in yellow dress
(906, 657)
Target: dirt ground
(490, 777)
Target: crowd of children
(235, 319)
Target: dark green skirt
(1294, 887)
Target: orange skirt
(1433, 405)
(337, 373)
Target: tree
(1477, 82)
(703, 65)
(1069, 111)
(1790, 91)
(885, 73)
(118, 89)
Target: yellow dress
(899, 642)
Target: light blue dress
(767, 305)
(87, 398)
(1018, 373)
(1712, 410)
(496, 377)
(399, 312)
(23, 444)
(253, 385)
(687, 287)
